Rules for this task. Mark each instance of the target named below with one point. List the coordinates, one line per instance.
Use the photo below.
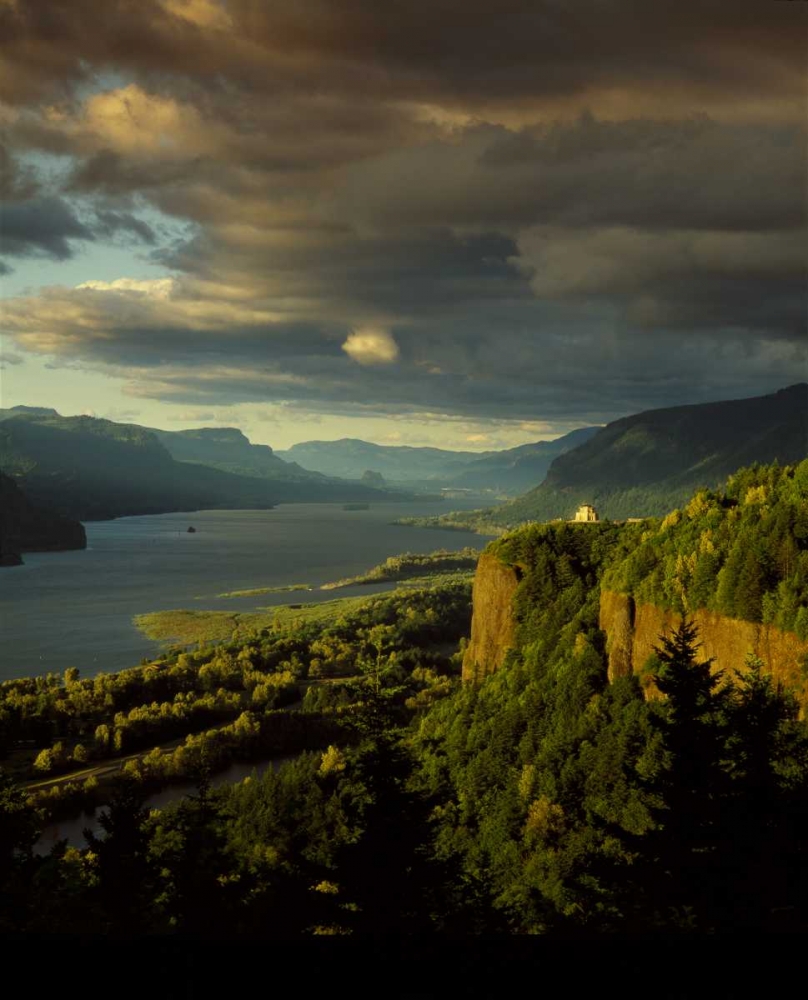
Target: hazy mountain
(648, 463)
(29, 411)
(518, 469)
(26, 528)
(511, 470)
(88, 468)
(351, 458)
(228, 449)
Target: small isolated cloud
(371, 346)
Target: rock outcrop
(633, 630)
(493, 624)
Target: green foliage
(542, 800)
(408, 565)
(742, 553)
(478, 521)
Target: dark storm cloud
(593, 385)
(5, 269)
(466, 51)
(17, 183)
(50, 227)
(654, 175)
(42, 228)
(107, 172)
(109, 223)
(411, 208)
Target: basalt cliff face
(493, 623)
(631, 633)
(633, 630)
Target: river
(72, 829)
(63, 609)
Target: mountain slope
(518, 469)
(511, 470)
(90, 469)
(351, 458)
(648, 463)
(26, 528)
(228, 449)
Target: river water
(64, 609)
(72, 829)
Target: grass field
(265, 590)
(183, 627)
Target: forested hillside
(742, 552)
(90, 469)
(26, 528)
(647, 463)
(543, 799)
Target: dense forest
(543, 800)
(742, 552)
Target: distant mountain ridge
(649, 462)
(510, 470)
(88, 468)
(229, 449)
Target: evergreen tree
(386, 874)
(126, 886)
(680, 855)
(18, 834)
(766, 815)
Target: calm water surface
(68, 609)
(72, 829)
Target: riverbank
(75, 609)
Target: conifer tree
(681, 852)
(126, 879)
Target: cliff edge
(633, 630)
(493, 624)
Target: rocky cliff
(633, 630)
(631, 633)
(493, 623)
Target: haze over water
(75, 608)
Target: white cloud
(156, 288)
(371, 346)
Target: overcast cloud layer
(528, 210)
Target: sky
(423, 222)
